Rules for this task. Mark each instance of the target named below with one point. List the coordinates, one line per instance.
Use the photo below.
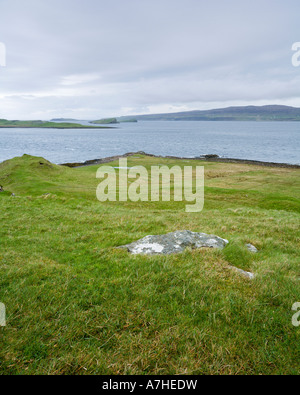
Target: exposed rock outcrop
(173, 243)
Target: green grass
(77, 305)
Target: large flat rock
(175, 242)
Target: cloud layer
(100, 58)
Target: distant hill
(108, 121)
(248, 113)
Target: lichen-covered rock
(173, 243)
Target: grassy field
(77, 305)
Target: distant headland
(270, 113)
(245, 113)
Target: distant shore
(207, 158)
(57, 127)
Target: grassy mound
(26, 174)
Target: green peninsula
(4, 123)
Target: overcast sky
(89, 59)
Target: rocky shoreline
(205, 158)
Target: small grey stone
(248, 275)
(175, 242)
(2, 315)
(251, 248)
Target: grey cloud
(97, 58)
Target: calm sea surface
(264, 141)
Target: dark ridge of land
(206, 158)
(242, 113)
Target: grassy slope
(77, 305)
